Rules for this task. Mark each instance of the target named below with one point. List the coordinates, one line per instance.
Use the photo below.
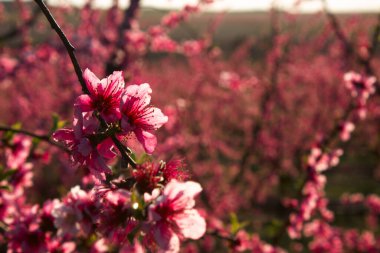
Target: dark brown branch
(123, 153)
(44, 138)
(71, 51)
(17, 30)
(69, 47)
(338, 31)
(216, 234)
(267, 98)
(349, 50)
(113, 62)
(375, 39)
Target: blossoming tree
(120, 136)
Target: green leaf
(235, 224)
(57, 123)
(273, 227)
(6, 174)
(36, 141)
(143, 158)
(17, 126)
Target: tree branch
(112, 63)
(69, 47)
(71, 51)
(17, 30)
(44, 138)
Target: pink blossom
(7, 65)
(99, 246)
(136, 247)
(156, 30)
(345, 131)
(163, 43)
(24, 233)
(21, 179)
(172, 19)
(149, 175)
(373, 203)
(104, 95)
(229, 80)
(139, 117)
(83, 151)
(173, 216)
(74, 216)
(243, 241)
(137, 41)
(360, 86)
(115, 222)
(192, 47)
(17, 154)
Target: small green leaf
(236, 225)
(6, 174)
(273, 227)
(143, 158)
(17, 126)
(57, 123)
(36, 141)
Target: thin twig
(44, 138)
(112, 63)
(17, 30)
(121, 148)
(69, 47)
(71, 51)
(216, 234)
(338, 30)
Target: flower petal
(136, 97)
(191, 224)
(83, 102)
(165, 238)
(92, 81)
(183, 194)
(148, 140)
(64, 135)
(156, 118)
(113, 84)
(105, 149)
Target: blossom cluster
(318, 161)
(126, 111)
(153, 207)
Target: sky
(246, 5)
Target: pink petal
(112, 115)
(136, 96)
(113, 83)
(64, 135)
(183, 194)
(83, 102)
(191, 224)
(84, 147)
(105, 149)
(156, 118)
(90, 123)
(148, 140)
(125, 125)
(78, 123)
(165, 238)
(92, 81)
(98, 166)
